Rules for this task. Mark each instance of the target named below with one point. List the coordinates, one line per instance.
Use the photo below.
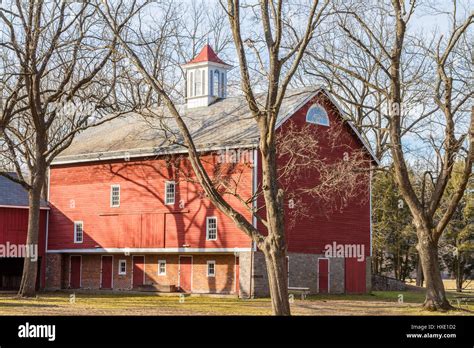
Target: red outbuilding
(13, 232)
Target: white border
(150, 250)
(22, 207)
(111, 195)
(113, 155)
(158, 271)
(166, 192)
(370, 207)
(212, 262)
(207, 228)
(75, 231)
(118, 271)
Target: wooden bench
(462, 299)
(299, 291)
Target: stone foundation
(253, 279)
(53, 279)
(58, 272)
(303, 272)
(381, 283)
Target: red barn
(13, 232)
(126, 212)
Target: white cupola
(206, 79)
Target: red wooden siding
(355, 276)
(185, 273)
(82, 193)
(138, 269)
(351, 224)
(323, 276)
(14, 229)
(76, 270)
(106, 272)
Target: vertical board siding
(322, 226)
(81, 192)
(14, 227)
(355, 276)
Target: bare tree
(436, 106)
(56, 83)
(274, 20)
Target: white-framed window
(211, 268)
(317, 115)
(122, 267)
(115, 196)
(211, 228)
(78, 231)
(161, 267)
(170, 192)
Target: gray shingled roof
(13, 194)
(226, 123)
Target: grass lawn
(59, 303)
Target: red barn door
(237, 276)
(75, 272)
(355, 276)
(323, 276)
(185, 273)
(106, 273)
(138, 271)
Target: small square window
(211, 228)
(170, 191)
(122, 270)
(78, 231)
(211, 268)
(162, 267)
(115, 196)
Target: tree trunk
(38, 177)
(30, 266)
(435, 293)
(419, 273)
(277, 281)
(459, 272)
(274, 247)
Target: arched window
(317, 115)
(216, 86)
